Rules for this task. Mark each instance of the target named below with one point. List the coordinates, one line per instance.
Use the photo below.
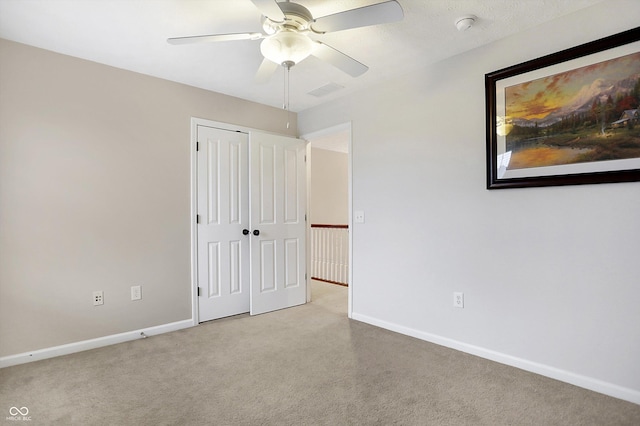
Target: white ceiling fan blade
(214, 37)
(339, 59)
(380, 13)
(270, 9)
(265, 72)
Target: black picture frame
(560, 66)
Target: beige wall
(329, 203)
(94, 195)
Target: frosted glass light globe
(286, 46)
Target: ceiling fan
(287, 29)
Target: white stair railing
(330, 253)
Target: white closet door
(278, 203)
(223, 209)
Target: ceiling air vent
(325, 90)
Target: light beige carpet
(308, 365)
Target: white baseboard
(595, 385)
(84, 345)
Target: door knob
(245, 232)
(256, 232)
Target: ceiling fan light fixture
(286, 47)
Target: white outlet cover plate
(458, 300)
(98, 298)
(358, 216)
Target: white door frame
(315, 135)
(195, 122)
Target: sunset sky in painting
(538, 98)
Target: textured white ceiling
(132, 35)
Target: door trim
(309, 137)
(195, 122)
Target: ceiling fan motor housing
(297, 18)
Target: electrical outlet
(458, 300)
(98, 298)
(136, 292)
(358, 216)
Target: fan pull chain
(286, 88)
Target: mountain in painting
(599, 90)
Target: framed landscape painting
(569, 118)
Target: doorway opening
(329, 206)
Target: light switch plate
(136, 292)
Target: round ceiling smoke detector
(465, 22)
